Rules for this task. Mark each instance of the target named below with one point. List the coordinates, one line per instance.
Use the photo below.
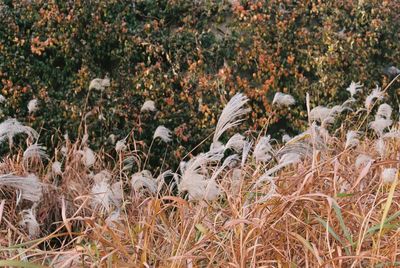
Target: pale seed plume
(163, 133)
(231, 115)
(282, 99)
(354, 88)
(148, 106)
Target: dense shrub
(188, 56)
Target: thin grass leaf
(341, 222)
(388, 203)
(307, 245)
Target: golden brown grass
(325, 213)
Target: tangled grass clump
(326, 197)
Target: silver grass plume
(148, 106)
(163, 133)
(88, 157)
(11, 127)
(352, 139)
(195, 182)
(376, 94)
(236, 143)
(286, 138)
(262, 151)
(382, 119)
(30, 186)
(389, 175)
(230, 116)
(327, 116)
(245, 153)
(272, 187)
(104, 194)
(392, 134)
(228, 162)
(33, 106)
(379, 125)
(363, 160)
(282, 99)
(121, 146)
(144, 180)
(30, 223)
(354, 88)
(56, 168)
(99, 84)
(2, 99)
(380, 147)
(384, 111)
(100, 195)
(35, 151)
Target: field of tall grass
(327, 197)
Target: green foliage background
(189, 57)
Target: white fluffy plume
(101, 195)
(195, 182)
(88, 157)
(2, 98)
(354, 88)
(282, 99)
(11, 127)
(352, 139)
(389, 175)
(144, 180)
(148, 106)
(33, 106)
(56, 168)
(263, 149)
(236, 142)
(325, 115)
(380, 147)
(384, 111)
(376, 94)
(30, 223)
(163, 133)
(363, 160)
(230, 115)
(120, 146)
(105, 195)
(35, 151)
(99, 84)
(30, 186)
(379, 125)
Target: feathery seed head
(384, 111)
(236, 142)
(282, 99)
(30, 186)
(120, 146)
(352, 139)
(163, 133)
(99, 84)
(30, 223)
(230, 115)
(35, 151)
(56, 168)
(148, 106)
(145, 180)
(2, 98)
(11, 127)
(263, 149)
(363, 160)
(33, 106)
(354, 88)
(376, 94)
(389, 175)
